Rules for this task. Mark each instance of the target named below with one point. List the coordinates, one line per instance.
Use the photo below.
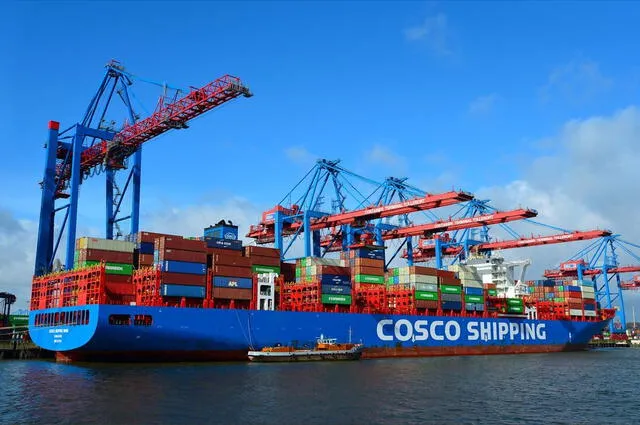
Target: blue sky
(469, 94)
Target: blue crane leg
(110, 176)
(44, 249)
(74, 192)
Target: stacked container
(263, 260)
(118, 256)
(183, 263)
(588, 298)
(423, 280)
(366, 264)
(231, 277)
(334, 279)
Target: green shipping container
(336, 299)
(515, 309)
(474, 299)
(369, 278)
(266, 269)
(493, 292)
(111, 268)
(514, 301)
(298, 272)
(450, 289)
(428, 296)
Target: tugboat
(325, 349)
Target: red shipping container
(421, 270)
(446, 274)
(145, 259)
(232, 293)
(260, 251)
(432, 305)
(374, 271)
(366, 262)
(118, 278)
(151, 237)
(226, 260)
(172, 242)
(120, 288)
(181, 255)
(184, 279)
(288, 270)
(231, 271)
(453, 281)
(265, 261)
(226, 252)
(341, 271)
(108, 256)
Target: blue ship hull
(120, 333)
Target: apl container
(189, 291)
(184, 267)
(232, 282)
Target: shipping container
(171, 242)
(187, 291)
(474, 299)
(450, 289)
(107, 256)
(146, 247)
(232, 293)
(451, 305)
(336, 299)
(230, 260)
(231, 271)
(119, 278)
(426, 287)
(426, 296)
(363, 278)
(110, 268)
(222, 230)
(105, 244)
(260, 251)
(373, 271)
(432, 305)
(258, 269)
(180, 255)
(332, 279)
(515, 309)
(265, 261)
(184, 278)
(473, 291)
(514, 301)
(374, 254)
(451, 297)
(221, 243)
(232, 282)
(366, 262)
(183, 267)
(336, 289)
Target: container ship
(159, 297)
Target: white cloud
(577, 81)
(434, 32)
(17, 254)
(591, 183)
(483, 104)
(382, 155)
(299, 155)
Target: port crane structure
(367, 221)
(92, 146)
(600, 261)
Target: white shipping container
(419, 278)
(105, 244)
(587, 290)
(426, 287)
(575, 312)
(471, 283)
(590, 313)
(589, 296)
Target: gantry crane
(601, 262)
(91, 147)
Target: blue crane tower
(91, 147)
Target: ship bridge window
(120, 319)
(142, 320)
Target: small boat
(325, 349)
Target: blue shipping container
(222, 232)
(451, 305)
(189, 291)
(184, 267)
(573, 288)
(590, 307)
(473, 291)
(336, 289)
(232, 282)
(479, 307)
(373, 254)
(223, 243)
(470, 307)
(145, 248)
(334, 279)
(548, 283)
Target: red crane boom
(462, 223)
(166, 117)
(556, 274)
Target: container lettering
(404, 330)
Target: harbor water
(592, 387)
